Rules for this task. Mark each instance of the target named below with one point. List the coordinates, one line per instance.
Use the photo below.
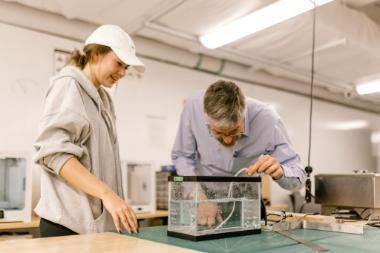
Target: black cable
(308, 168)
(282, 216)
(374, 224)
(264, 212)
(308, 192)
(362, 212)
(311, 82)
(315, 197)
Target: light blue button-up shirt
(197, 152)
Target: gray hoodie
(78, 120)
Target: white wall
(148, 109)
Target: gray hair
(224, 103)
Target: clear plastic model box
(204, 207)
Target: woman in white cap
(77, 146)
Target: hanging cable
(311, 83)
(308, 168)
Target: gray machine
(15, 187)
(139, 185)
(358, 192)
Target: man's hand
(208, 213)
(268, 165)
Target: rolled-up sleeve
(60, 138)
(294, 175)
(62, 130)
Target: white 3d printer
(139, 185)
(15, 187)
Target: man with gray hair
(221, 131)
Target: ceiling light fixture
(375, 137)
(348, 125)
(257, 21)
(368, 88)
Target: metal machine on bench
(348, 194)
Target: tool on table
(334, 227)
(307, 243)
(284, 223)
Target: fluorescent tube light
(375, 137)
(257, 21)
(348, 125)
(368, 88)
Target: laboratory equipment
(235, 201)
(15, 187)
(162, 186)
(139, 185)
(351, 191)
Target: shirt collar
(246, 122)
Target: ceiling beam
(359, 3)
(57, 25)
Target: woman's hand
(120, 212)
(78, 176)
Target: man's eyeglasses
(236, 132)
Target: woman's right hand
(120, 212)
(80, 177)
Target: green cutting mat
(271, 241)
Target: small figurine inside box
(204, 207)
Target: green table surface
(271, 241)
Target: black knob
(308, 190)
(308, 170)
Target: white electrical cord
(229, 196)
(240, 171)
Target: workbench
(154, 239)
(36, 220)
(273, 242)
(32, 227)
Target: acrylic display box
(204, 207)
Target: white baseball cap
(120, 43)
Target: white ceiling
(347, 35)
